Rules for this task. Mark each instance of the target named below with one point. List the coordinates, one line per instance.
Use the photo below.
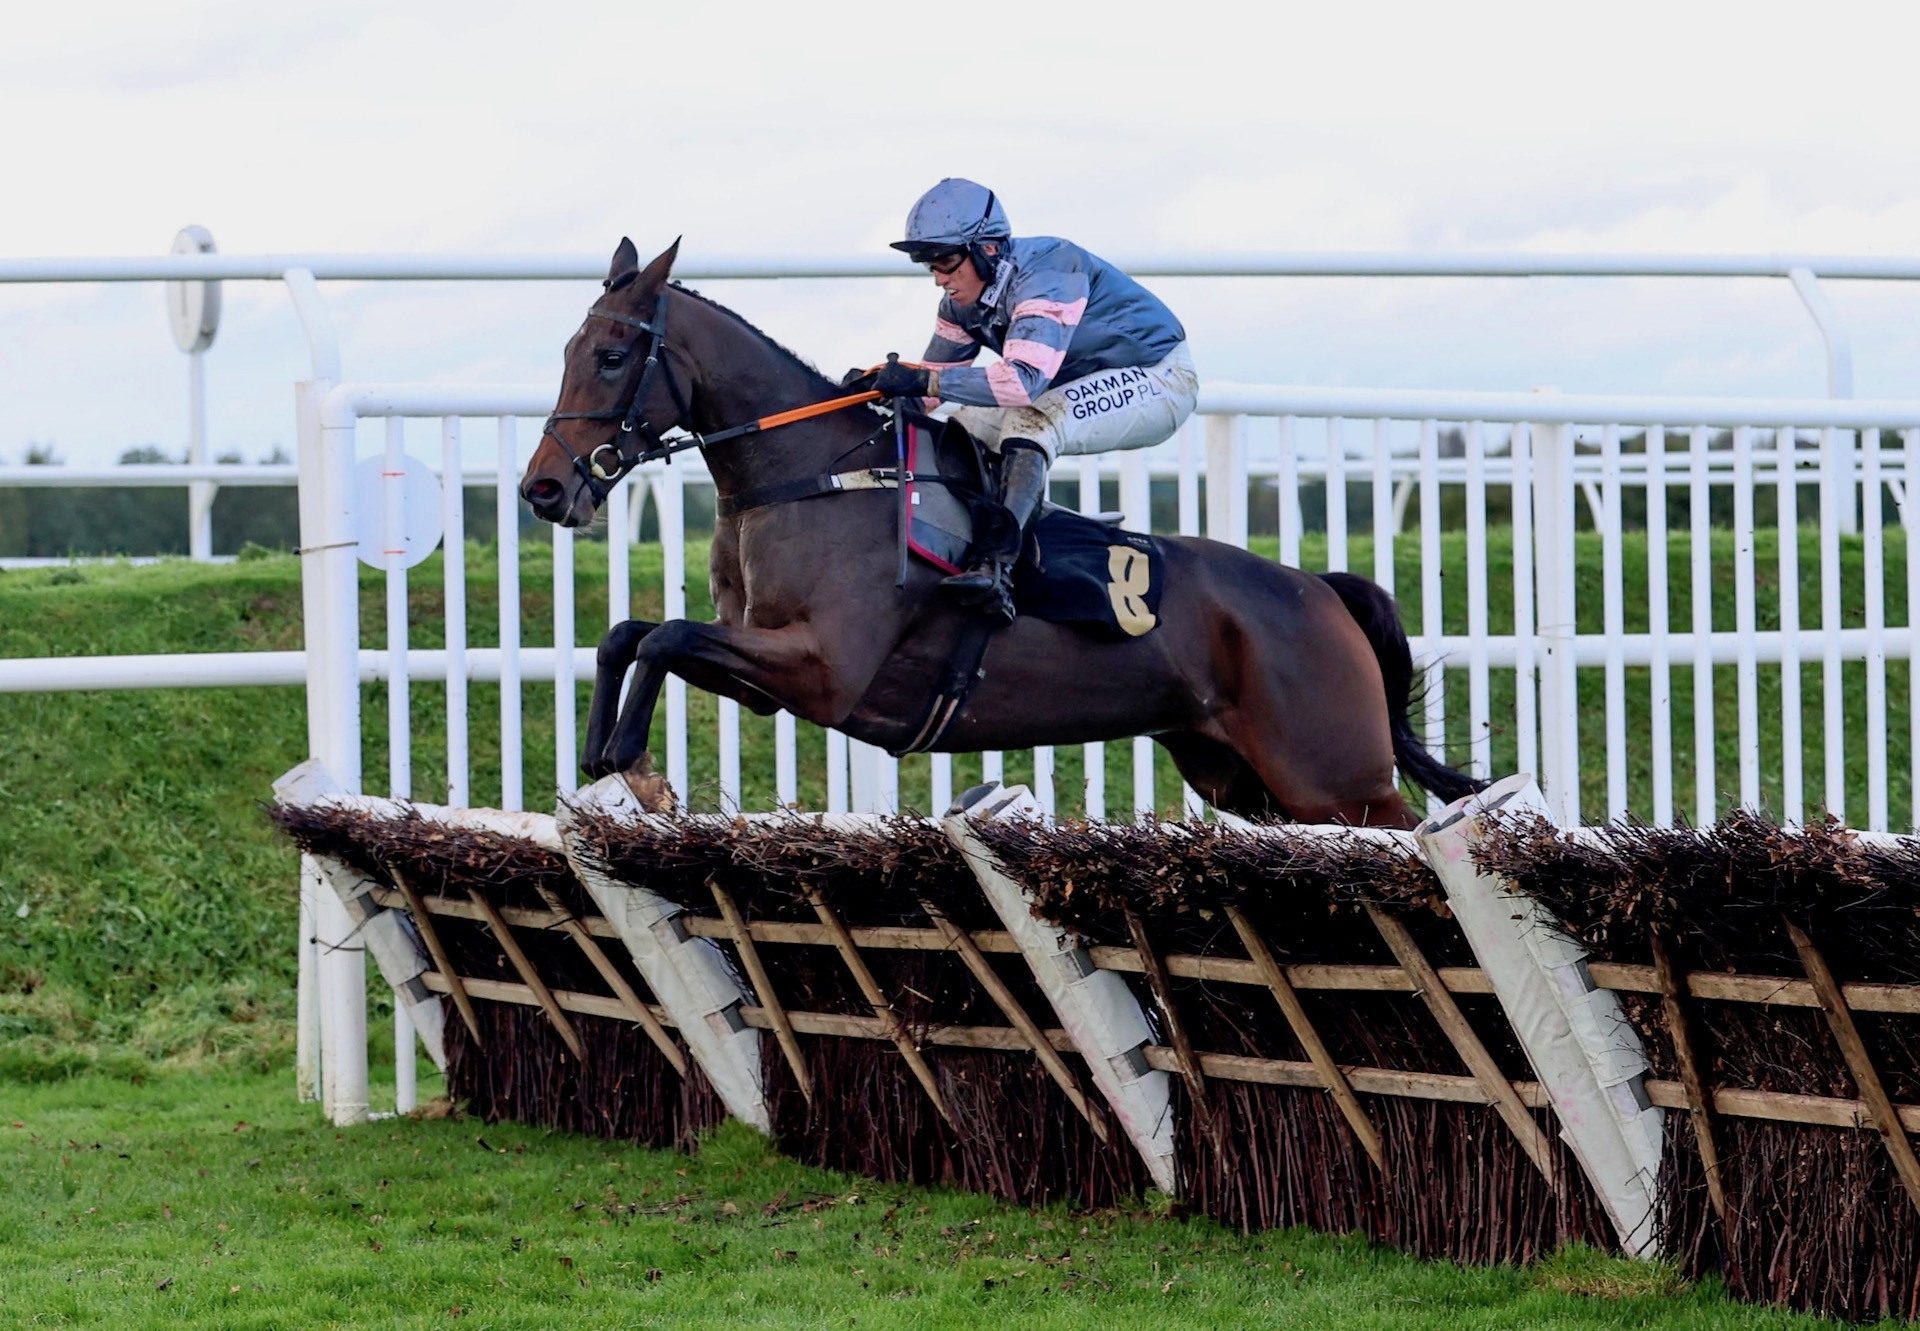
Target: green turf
(214, 1201)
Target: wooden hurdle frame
(696, 1009)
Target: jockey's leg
(1111, 410)
(1132, 407)
(1023, 485)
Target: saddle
(1075, 569)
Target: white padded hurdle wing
(689, 975)
(1585, 1052)
(1095, 1007)
(387, 933)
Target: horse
(1278, 693)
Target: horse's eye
(612, 360)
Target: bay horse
(1276, 692)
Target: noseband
(604, 465)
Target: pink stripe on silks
(1004, 380)
(1058, 311)
(952, 332)
(1042, 357)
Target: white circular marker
(419, 509)
(193, 307)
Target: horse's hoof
(651, 789)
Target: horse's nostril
(541, 493)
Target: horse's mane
(828, 386)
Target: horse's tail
(1379, 618)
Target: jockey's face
(961, 282)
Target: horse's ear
(626, 266)
(656, 275)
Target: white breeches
(1112, 409)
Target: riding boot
(1023, 485)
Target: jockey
(1089, 359)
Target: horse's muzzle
(548, 499)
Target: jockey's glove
(896, 380)
(858, 380)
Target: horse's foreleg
(615, 655)
(764, 669)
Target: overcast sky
(486, 127)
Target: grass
(214, 1201)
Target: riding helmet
(954, 215)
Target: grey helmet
(954, 215)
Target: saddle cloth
(1074, 569)
(1082, 571)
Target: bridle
(599, 477)
(596, 474)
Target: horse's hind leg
(1309, 715)
(1332, 785)
(1220, 776)
(1229, 782)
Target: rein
(599, 477)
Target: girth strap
(812, 487)
(962, 670)
(955, 687)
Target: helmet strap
(984, 263)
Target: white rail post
(308, 1041)
(875, 781)
(329, 552)
(330, 599)
(194, 308)
(1839, 375)
(1746, 667)
(393, 527)
(309, 395)
(1287, 489)
(200, 493)
(1613, 619)
(1553, 559)
(1227, 479)
(453, 546)
(507, 561)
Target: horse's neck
(741, 378)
